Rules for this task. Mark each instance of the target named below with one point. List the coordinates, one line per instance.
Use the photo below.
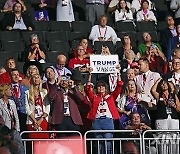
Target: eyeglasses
(175, 63)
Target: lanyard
(104, 32)
(59, 72)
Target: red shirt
(76, 62)
(157, 65)
(5, 78)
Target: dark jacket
(9, 20)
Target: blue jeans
(104, 124)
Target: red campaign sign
(68, 146)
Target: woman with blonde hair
(8, 108)
(32, 69)
(37, 107)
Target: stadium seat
(161, 25)
(59, 26)
(55, 36)
(124, 26)
(35, 1)
(13, 46)
(41, 25)
(27, 34)
(76, 36)
(98, 46)
(52, 56)
(81, 26)
(145, 26)
(10, 36)
(59, 46)
(19, 66)
(8, 54)
(47, 65)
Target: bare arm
(153, 89)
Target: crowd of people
(143, 94)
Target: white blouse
(120, 15)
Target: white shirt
(176, 80)
(136, 5)
(149, 15)
(103, 110)
(104, 32)
(19, 24)
(120, 15)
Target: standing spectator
(10, 64)
(80, 62)
(37, 108)
(65, 11)
(103, 110)
(18, 96)
(94, 10)
(156, 59)
(168, 107)
(166, 34)
(145, 14)
(144, 83)
(136, 5)
(59, 67)
(129, 103)
(123, 13)
(143, 47)
(102, 32)
(88, 51)
(175, 6)
(8, 6)
(65, 114)
(174, 42)
(8, 108)
(17, 19)
(36, 52)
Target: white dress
(65, 11)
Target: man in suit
(144, 83)
(18, 96)
(65, 114)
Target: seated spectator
(10, 64)
(2, 70)
(102, 32)
(156, 59)
(145, 14)
(8, 108)
(59, 67)
(84, 43)
(174, 42)
(129, 58)
(103, 109)
(8, 6)
(123, 13)
(175, 7)
(80, 62)
(136, 123)
(114, 4)
(32, 69)
(17, 19)
(36, 52)
(37, 107)
(129, 103)
(136, 5)
(127, 45)
(176, 52)
(167, 34)
(144, 47)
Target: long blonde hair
(31, 88)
